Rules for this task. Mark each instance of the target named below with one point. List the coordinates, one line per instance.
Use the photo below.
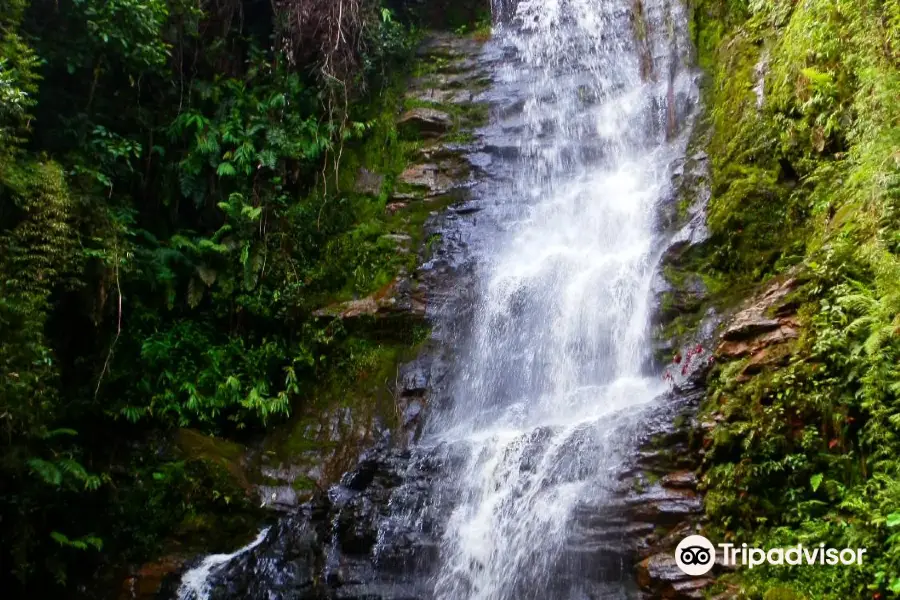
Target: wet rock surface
(342, 544)
(425, 123)
(692, 184)
(665, 495)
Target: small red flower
(833, 443)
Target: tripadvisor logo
(695, 555)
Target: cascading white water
(195, 583)
(555, 371)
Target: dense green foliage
(804, 111)
(174, 206)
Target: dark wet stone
(282, 497)
(685, 298)
(360, 478)
(357, 525)
(680, 479)
(467, 209)
(666, 506)
(662, 567)
(660, 575)
(415, 376)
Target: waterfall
(554, 375)
(513, 491)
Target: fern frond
(858, 303)
(46, 471)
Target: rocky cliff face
(759, 333)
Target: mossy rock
(222, 453)
(423, 123)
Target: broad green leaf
(226, 169)
(815, 481)
(59, 538)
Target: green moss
(435, 64)
(639, 20)
(374, 259)
(361, 381)
(216, 451)
(197, 445)
(303, 484)
(782, 593)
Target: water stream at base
(553, 378)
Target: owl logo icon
(695, 555)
